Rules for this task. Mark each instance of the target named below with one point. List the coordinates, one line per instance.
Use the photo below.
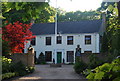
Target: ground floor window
(70, 56)
(48, 56)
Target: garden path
(49, 73)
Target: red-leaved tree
(17, 34)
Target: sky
(74, 5)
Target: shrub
(5, 48)
(8, 75)
(30, 69)
(6, 65)
(71, 63)
(41, 59)
(110, 56)
(94, 61)
(79, 66)
(106, 71)
(86, 72)
(10, 69)
(19, 68)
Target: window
(70, 56)
(88, 39)
(69, 40)
(48, 56)
(59, 39)
(48, 40)
(87, 52)
(33, 41)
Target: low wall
(85, 57)
(26, 58)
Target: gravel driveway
(47, 72)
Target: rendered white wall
(79, 39)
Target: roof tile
(84, 26)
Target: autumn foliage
(17, 34)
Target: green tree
(110, 40)
(104, 41)
(26, 11)
(46, 15)
(78, 15)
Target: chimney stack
(103, 17)
(103, 26)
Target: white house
(85, 33)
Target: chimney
(103, 17)
(103, 26)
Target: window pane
(88, 39)
(48, 55)
(70, 40)
(70, 56)
(33, 41)
(59, 39)
(48, 40)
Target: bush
(8, 75)
(79, 66)
(19, 68)
(30, 69)
(110, 56)
(71, 63)
(6, 65)
(5, 48)
(41, 59)
(94, 61)
(109, 71)
(10, 69)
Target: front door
(59, 57)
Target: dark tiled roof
(85, 26)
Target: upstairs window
(59, 39)
(33, 41)
(48, 40)
(88, 39)
(69, 40)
